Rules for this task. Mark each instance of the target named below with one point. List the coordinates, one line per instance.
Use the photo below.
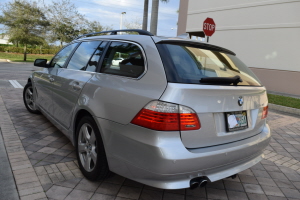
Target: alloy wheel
(87, 147)
(29, 98)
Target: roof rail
(114, 32)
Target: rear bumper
(179, 181)
(159, 159)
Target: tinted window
(61, 57)
(82, 55)
(125, 59)
(93, 63)
(185, 64)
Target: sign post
(209, 27)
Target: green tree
(94, 26)
(135, 23)
(66, 22)
(24, 22)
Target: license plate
(236, 120)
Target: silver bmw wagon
(167, 112)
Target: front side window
(124, 59)
(60, 58)
(82, 55)
(187, 64)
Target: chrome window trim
(80, 70)
(145, 60)
(69, 57)
(90, 39)
(80, 42)
(115, 40)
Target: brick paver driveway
(44, 164)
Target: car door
(69, 81)
(43, 80)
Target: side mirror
(40, 63)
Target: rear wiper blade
(221, 80)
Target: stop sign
(209, 26)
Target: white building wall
(264, 34)
(4, 40)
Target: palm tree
(154, 15)
(145, 16)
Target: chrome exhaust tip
(233, 176)
(203, 183)
(198, 182)
(194, 184)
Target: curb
(9, 61)
(7, 179)
(284, 109)
(28, 184)
(5, 60)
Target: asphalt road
(15, 71)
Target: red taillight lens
(188, 119)
(162, 116)
(189, 122)
(264, 113)
(156, 120)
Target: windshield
(186, 64)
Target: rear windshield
(187, 64)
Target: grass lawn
(284, 101)
(16, 57)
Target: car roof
(159, 40)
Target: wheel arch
(78, 116)
(103, 168)
(29, 80)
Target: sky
(108, 13)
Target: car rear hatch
(228, 98)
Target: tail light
(264, 113)
(162, 116)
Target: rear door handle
(76, 86)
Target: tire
(90, 151)
(29, 99)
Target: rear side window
(82, 55)
(60, 58)
(186, 64)
(124, 59)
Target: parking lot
(44, 163)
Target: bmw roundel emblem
(240, 101)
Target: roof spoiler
(197, 45)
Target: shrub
(6, 45)
(12, 49)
